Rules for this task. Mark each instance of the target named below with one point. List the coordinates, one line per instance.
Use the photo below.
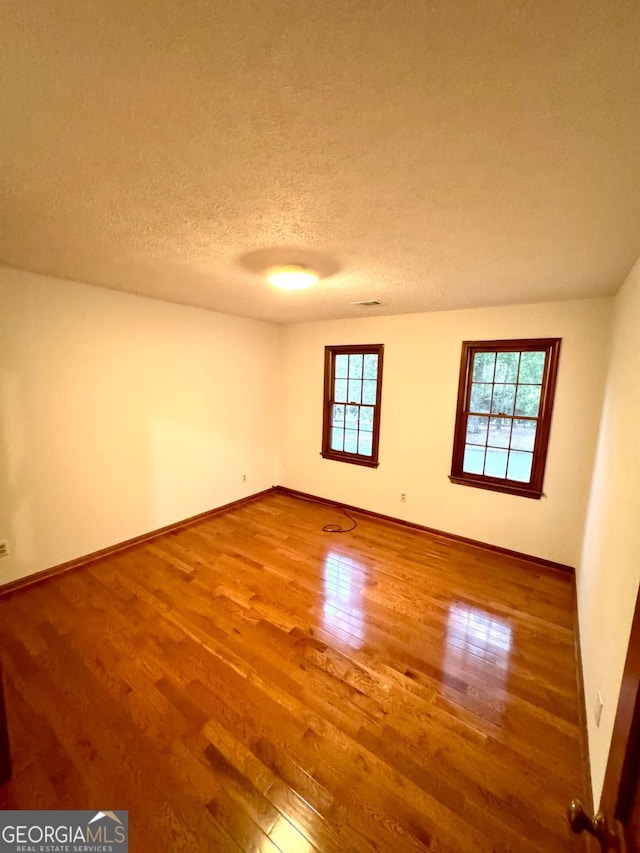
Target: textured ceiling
(442, 155)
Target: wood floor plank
(252, 683)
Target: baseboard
(442, 534)
(38, 577)
(587, 795)
(54, 571)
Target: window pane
(496, 464)
(499, 432)
(370, 367)
(477, 430)
(337, 439)
(338, 416)
(483, 365)
(480, 398)
(355, 367)
(369, 391)
(523, 435)
(507, 366)
(503, 399)
(340, 394)
(528, 400)
(342, 365)
(366, 418)
(531, 367)
(355, 391)
(473, 459)
(365, 443)
(520, 466)
(352, 417)
(351, 440)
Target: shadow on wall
(16, 504)
(63, 430)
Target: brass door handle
(580, 821)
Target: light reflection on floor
(287, 837)
(343, 608)
(477, 641)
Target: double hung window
(503, 419)
(352, 394)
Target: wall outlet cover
(597, 711)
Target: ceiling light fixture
(292, 277)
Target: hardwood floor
(254, 684)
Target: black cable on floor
(336, 528)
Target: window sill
(352, 460)
(496, 486)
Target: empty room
(319, 426)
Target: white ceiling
(441, 154)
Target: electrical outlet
(244, 478)
(597, 711)
(403, 497)
(4, 547)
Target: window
(351, 420)
(505, 398)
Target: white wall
(609, 571)
(121, 414)
(421, 365)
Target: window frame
(534, 488)
(330, 353)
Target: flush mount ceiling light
(289, 267)
(292, 276)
